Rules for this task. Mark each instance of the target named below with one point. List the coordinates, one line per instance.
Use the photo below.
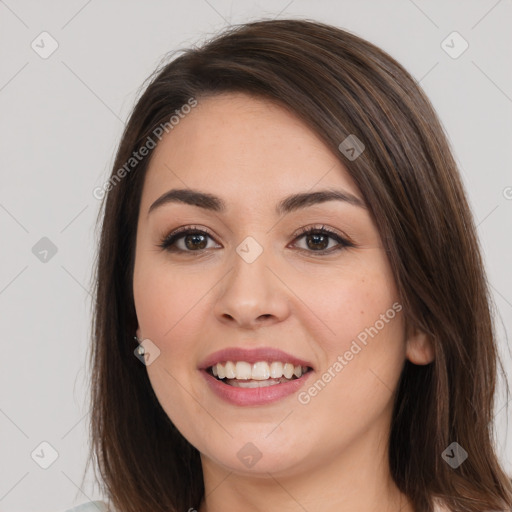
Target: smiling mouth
(242, 374)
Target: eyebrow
(289, 204)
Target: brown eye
(317, 240)
(194, 240)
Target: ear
(419, 348)
(137, 333)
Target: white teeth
(253, 383)
(259, 371)
(243, 370)
(221, 372)
(276, 370)
(230, 370)
(288, 370)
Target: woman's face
(247, 290)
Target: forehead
(246, 149)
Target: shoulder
(90, 506)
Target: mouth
(255, 377)
(242, 374)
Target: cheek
(355, 388)
(168, 301)
(349, 300)
(170, 307)
(362, 337)
(365, 359)
(167, 313)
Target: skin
(328, 454)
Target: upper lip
(254, 355)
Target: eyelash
(168, 241)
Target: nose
(252, 295)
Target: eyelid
(319, 227)
(190, 227)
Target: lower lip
(254, 396)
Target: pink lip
(252, 356)
(254, 396)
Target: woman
(286, 236)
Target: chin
(255, 455)
(273, 463)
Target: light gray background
(61, 119)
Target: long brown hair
(340, 85)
